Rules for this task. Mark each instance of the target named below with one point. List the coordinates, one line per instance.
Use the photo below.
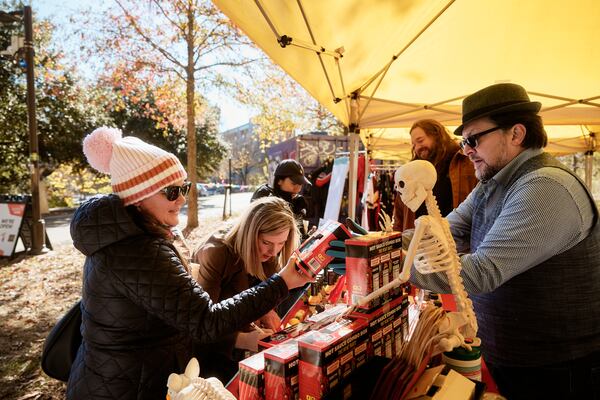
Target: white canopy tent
(387, 63)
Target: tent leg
(589, 162)
(353, 138)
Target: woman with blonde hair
(257, 246)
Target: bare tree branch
(168, 18)
(229, 64)
(147, 39)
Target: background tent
(394, 143)
(386, 63)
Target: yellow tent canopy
(394, 143)
(405, 60)
(387, 63)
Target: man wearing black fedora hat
(530, 239)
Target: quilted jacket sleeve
(155, 280)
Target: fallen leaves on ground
(36, 292)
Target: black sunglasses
(172, 192)
(472, 140)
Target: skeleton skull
(413, 181)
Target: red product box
(372, 261)
(385, 327)
(327, 316)
(313, 322)
(397, 263)
(280, 337)
(329, 355)
(281, 371)
(252, 379)
(311, 254)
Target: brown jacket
(222, 274)
(462, 179)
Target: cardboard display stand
(336, 190)
(16, 223)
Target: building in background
(316, 151)
(247, 158)
(248, 163)
(311, 150)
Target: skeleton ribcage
(433, 253)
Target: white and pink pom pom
(98, 147)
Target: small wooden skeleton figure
(433, 250)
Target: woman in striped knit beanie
(141, 309)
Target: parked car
(202, 190)
(210, 188)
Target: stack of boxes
(310, 365)
(373, 260)
(252, 378)
(330, 355)
(281, 371)
(388, 327)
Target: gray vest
(550, 313)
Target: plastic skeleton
(432, 249)
(189, 385)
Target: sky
(233, 114)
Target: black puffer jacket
(141, 308)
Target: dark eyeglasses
(473, 140)
(172, 192)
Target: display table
(371, 372)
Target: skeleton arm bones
(432, 249)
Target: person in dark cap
(530, 240)
(287, 184)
